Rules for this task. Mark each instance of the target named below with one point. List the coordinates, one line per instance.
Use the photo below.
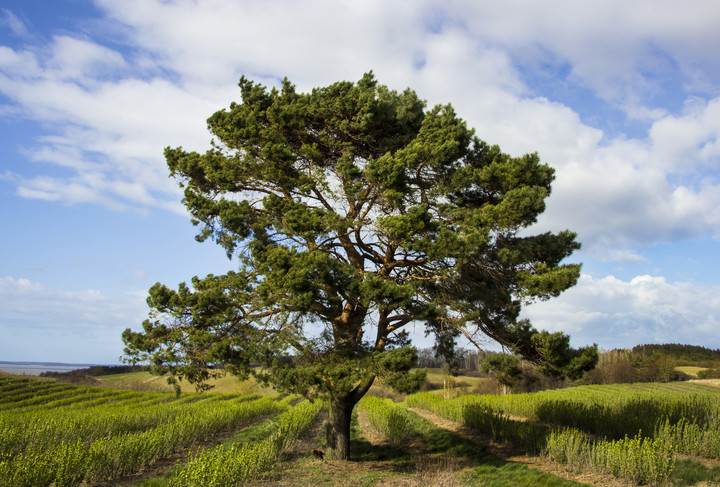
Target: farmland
(63, 434)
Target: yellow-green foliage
(389, 419)
(684, 418)
(613, 411)
(220, 467)
(691, 438)
(690, 370)
(641, 460)
(527, 436)
(53, 440)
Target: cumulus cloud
(108, 133)
(633, 193)
(109, 114)
(64, 325)
(622, 53)
(647, 309)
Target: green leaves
(552, 351)
(504, 366)
(353, 211)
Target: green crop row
(612, 411)
(39, 428)
(28, 395)
(527, 436)
(640, 460)
(390, 420)
(73, 461)
(690, 438)
(221, 467)
(42, 430)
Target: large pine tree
(353, 211)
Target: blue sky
(622, 99)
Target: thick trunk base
(338, 429)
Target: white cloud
(689, 141)
(647, 309)
(64, 324)
(109, 134)
(11, 21)
(623, 194)
(620, 51)
(110, 115)
(82, 60)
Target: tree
(504, 366)
(352, 211)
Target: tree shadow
(485, 467)
(690, 472)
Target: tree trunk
(338, 428)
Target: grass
(689, 472)
(433, 456)
(435, 383)
(145, 381)
(690, 370)
(430, 456)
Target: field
(64, 435)
(690, 370)
(145, 381)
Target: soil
(710, 382)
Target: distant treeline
(97, 370)
(690, 353)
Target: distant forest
(690, 353)
(97, 370)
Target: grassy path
(436, 456)
(440, 453)
(514, 456)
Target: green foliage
(492, 471)
(389, 419)
(640, 460)
(221, 467)
(610, 411)
(552, 352)
(526, 436)
(709, 374)
(504, 366)
(353, 211)
(685, 415)
(691, 438)
(76, 443)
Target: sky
(622, 99)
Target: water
(36, 368)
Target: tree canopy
(352, 211)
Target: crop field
(145, 381)
(54, 434)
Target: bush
(709, 374)
(392, 421)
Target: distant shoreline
(36, 368)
